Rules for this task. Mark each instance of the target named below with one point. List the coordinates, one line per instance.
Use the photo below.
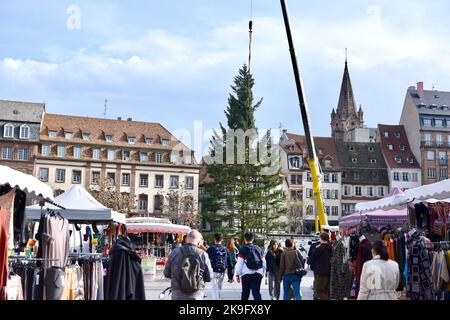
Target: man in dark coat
(322, 267)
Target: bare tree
(295, 216)
(179, 206)
(106, 194)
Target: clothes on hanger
(422, 216)
(419, 284)
(364, 254)
(7, 203)
(3, 253)
(339, 288)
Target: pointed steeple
(346, 105)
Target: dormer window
(165, 142)
(8, 131)
(398, 159)
(132, 140)
(86, 136)
(386, 134)
(351, 148)
(327, 163)
(397, 134)
(439, 123)
(149, 140)
(390, 146)
(354, 160)
(370, 149)
(373, 160)
(402, 147)
(24, 132)
(68, 135)
(410, 160)
(294, 162)
(109, 138)
(52, 134)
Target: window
(356, 176)
(370, 191)
(428, 139)
(386, 134)
(358, 191)
(327, 163)
(308, 176)
(414, 177)
(397, 134)
(431, 172)
(143, 180)
(354, 160)
(76, 176)
(125, 179)
(373, 160)
(334, 211)
(430, 155)
(410, 160)
(143, 204)
(165, 142)
(68, 135)
(111, 178)
(381, 191)
(327, 210)
(334, 194)
(7, 153)
(398, 159)
(326, 194)
(8, 131)
(326, 177)
(174, 181)
(159, 181)
(23, 154)
(439, 141)
(396, 176)
(309, 193)
(45, 150)
(77, 152)
(335, 178)
(174, 157)
(294, 162)
(405, 176)
(448, 140)
(348, 208)
(24, 132)
(442, 157)
(390, 146)
(96, 154)
(187, 159)
(401, 147)
(52, 134)
(60, 175)
(347, 190)
(86, 136)
(296, 195)
(126, 155)
(158, 203)
(43, 174)
(310, 210)
(143, 156)
(443, 173)
(439, 123)
(111, 155)
(159, 158)
(95, 177)
(109, 138)
(427, 122)
(61, 151)
(132, 140)
(296, 179)
(189, 182)
(149, 140)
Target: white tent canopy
(80, 206)
(157, 225)
(33, 188)
(439, 191)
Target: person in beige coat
(380, 276)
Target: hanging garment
(54, 283)
(439, 210)
(339, 271)
(14, 288)
(389, 248)
(70, 283)
(100, 292)
(125, 276)
(3, 253)
(364, 254)
(38, 284)
(56, 241)
(439, 272)
(354, 243)
(7, 203)
(422, 216)
(20, 231)
(419, 283)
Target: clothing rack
(30, 259)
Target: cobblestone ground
(231, 291)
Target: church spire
(346, 105)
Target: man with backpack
(220, 262)
(250, 268)
(189, 268)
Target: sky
(173, 61)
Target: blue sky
(173, 61)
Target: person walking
(380, 276)
(310, 261)
(189, 268)
(322, 267)
(233, 251)
(273, 265)
(220, 262)
(250, 268)
(290, 261)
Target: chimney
(130, 119)
(420, 89)
(119, 118)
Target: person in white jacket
(380, 276)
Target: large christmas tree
(244, 188)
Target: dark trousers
(54, 283)
(322, 285)
(251, 282)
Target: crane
(320, 218)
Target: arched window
(24, 132)
(8, 131)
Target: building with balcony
(426, 119)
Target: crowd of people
(193, 263)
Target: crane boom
(313, 162)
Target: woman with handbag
(291, 270)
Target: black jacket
(310, 254)
(125, 277)
(321, 258)
(273, 261)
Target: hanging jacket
(125, 277)
(364, 254)
(339, 271)
(439, 272)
